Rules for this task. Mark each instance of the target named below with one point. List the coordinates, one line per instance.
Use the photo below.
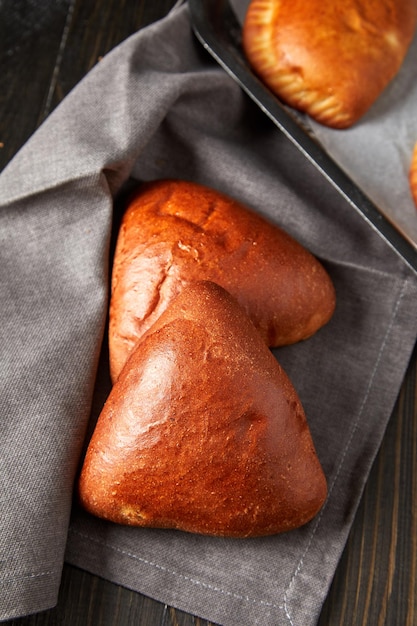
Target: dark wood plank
(28, 54)
(49, 47)
(96, 28)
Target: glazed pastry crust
(203, 430)
(328, 58)
(175, 232)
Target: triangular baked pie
(203, 430)
(174, 232)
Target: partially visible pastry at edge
(203, 431)
(413, 175)
(328, 58)
(175, 232)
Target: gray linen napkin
(157, 106)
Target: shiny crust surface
(176, 232)
(328, 58)
(413, 175)
(203, 430)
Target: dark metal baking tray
(217, 28)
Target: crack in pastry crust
(176, 232)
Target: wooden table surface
(46, 47)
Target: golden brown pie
(203, 430)
(175, 232)
(328, 58)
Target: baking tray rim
(216, 27)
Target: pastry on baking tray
(175, 232)
(328, 58)
(203, 430)
(413, 174)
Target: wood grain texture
(28, 57)
(49, 46)
(42, 57)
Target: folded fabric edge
(28, 593)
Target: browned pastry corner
(328, 58)
(203, 430)
(413, 175)
(175, 232)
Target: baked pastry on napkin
(165, 105)
(175, 231)
(203, 430)
(328, 58)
